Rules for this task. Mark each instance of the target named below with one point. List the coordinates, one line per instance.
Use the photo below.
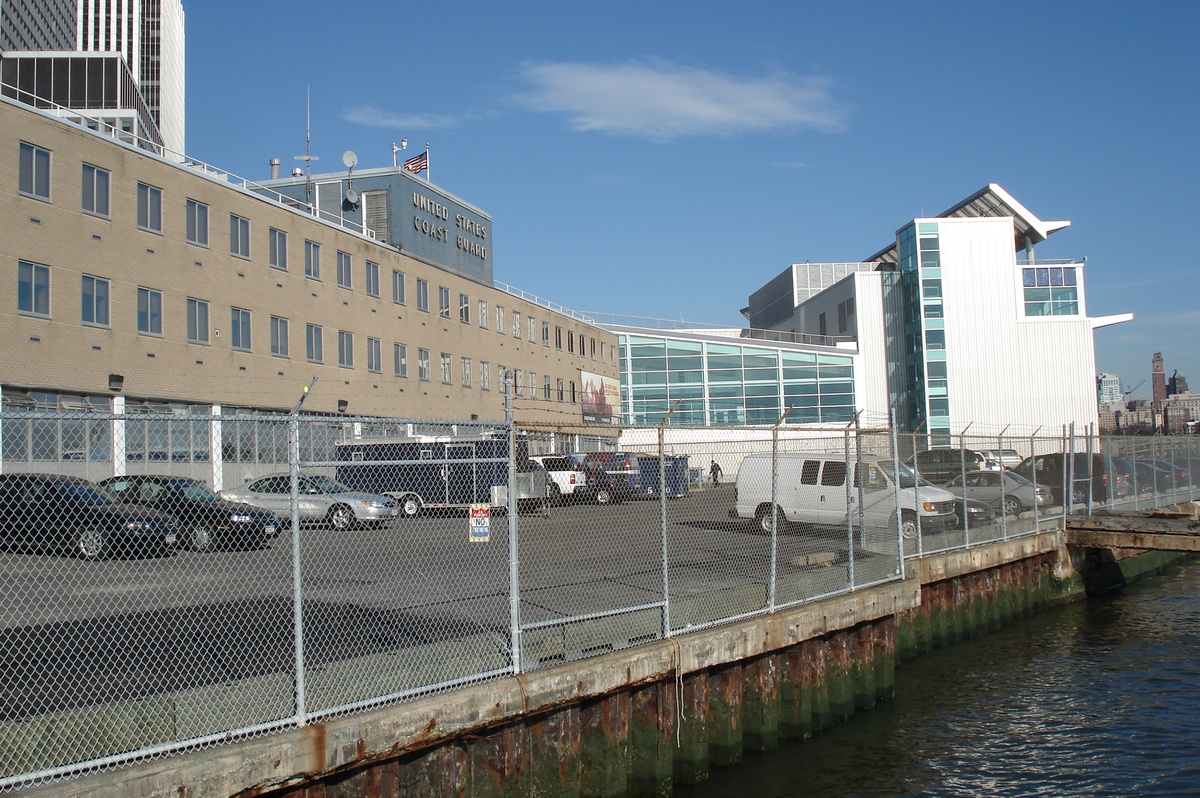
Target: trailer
(440, 473)
(647, 483)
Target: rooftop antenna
(307, 157)
(395, 149)
(351, 161)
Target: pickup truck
(567, 481)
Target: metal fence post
(851, 479)
(896, 492)
(775, 507)
(297, 569)
(1033, 470)
(662, 519)
(962, 462)
(299, 693)
(514, 570)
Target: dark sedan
(206, 521)
(48, 512)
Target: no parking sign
(481, 522)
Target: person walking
(714, 471)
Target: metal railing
(143, 617)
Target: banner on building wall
(601, 398)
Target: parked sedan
(1005, 491)
(206, 521)
(320, 499)
(1145, 477)
(974, 512)
(48, 512)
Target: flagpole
(427, 178)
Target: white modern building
(956, 322)
(1108, 388)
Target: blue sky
(665, 159)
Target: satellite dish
(349, 159)
(352, 196)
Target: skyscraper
(132, 54)
(1158, 382)
(1109, 389)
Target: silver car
(1007, 492)
(320, 499)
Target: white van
(812, 489)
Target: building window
(422, 295)
(533, 385)
(592, 348)
(558, 338)
(149, 311)
(545, 333)
(95, 190)
(345, 349)
(560, 389)
(546, 387)
(821, 324)
(312, 260)
(344, 265)
(400, 359)
(33, 289)
(464, 308)
(447, 370)
(398, 287)
(423, 365)
(532, 329)
(149, 209)
(35, 172)
(483, 314)
(443, 302)
(466, 371)
(485, 375)
(95, 301)
(314, 347)
(278, 247)
(1050, 291)
(371, 277)
(197, 321)
(516, 324)
(239, 236)
(279, 336)
(197, 223)
(239, 329)
(582, 347)
(500, 319)
(570, 343)
(374, 355)
(518, 383)
(573, 392)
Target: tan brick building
(195, 289)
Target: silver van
(813, 489)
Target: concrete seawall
(638, 721)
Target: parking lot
(126, 628)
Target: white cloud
(660, 100)
(373, 117)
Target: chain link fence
(178, 579)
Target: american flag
(418, 164)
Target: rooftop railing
(129, 138)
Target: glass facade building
(722, 381)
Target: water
(1094, 699)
